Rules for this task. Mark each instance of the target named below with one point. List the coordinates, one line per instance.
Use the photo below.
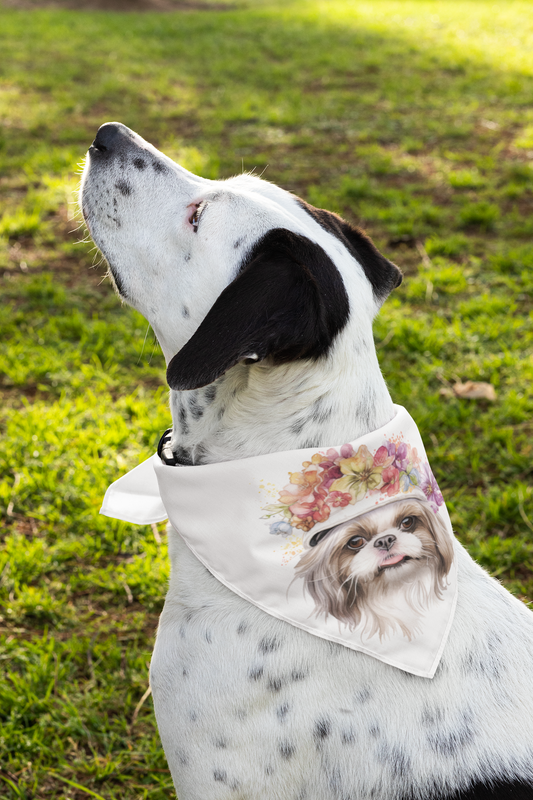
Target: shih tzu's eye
(407, 523)
(356, 543)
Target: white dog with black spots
(263, 307)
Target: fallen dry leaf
(472, 390)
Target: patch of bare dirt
(119, 5)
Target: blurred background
(412, 119)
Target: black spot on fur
(180, 456)
(220, 775)
(320, 412)
(363, 695)
(269, 644)
(432, 716)
(221, 412)
(487, 660)
(208, 638)
(199, 454)
(210, 394)
(275, 684)
(298, 426)
(193, 716)
(124, 187)
(374, 730)
(185, 312)
(196, 409)
(450, 742)
(306, 446)
(221, 743)
(383, 275)
(288, 303)
(187, 257)
(395, 758)
(282, 712)
(348, 736)
(286, 749)
(159, 167)
(321, 730)
(255, 673)
(269, 770)
(237, 244)
(139, 163)
(298, 675)
(183, 758)
(243, 627)
(184, 425)
(185, 672)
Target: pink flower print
(332, 454)
(339, 499)
(391, 481)
(331, 473)
(302, 486)
(306, 515)
(429, 486)
(414, 457)
(347, 451)
(382, 457)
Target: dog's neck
(259, 409)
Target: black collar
(172, 458)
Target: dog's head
(225, 271)
(355, 565)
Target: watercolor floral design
(338, 478)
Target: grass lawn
(411, 118)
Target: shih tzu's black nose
(385, 542)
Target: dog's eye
(197, 213)
(356, 543)
(407, 523)
(195, 219)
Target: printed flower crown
(333, 480)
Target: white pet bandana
(351, 543)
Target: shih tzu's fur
(374, 569)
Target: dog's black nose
(109, 137)
(385, 542)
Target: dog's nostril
(107, 136)
(385, 542)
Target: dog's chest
(244, 700)
(248, 705)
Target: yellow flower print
(360, 475)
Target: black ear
(288, 302)
(383, 275)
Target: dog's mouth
(393, 560)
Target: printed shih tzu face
(360, 570)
